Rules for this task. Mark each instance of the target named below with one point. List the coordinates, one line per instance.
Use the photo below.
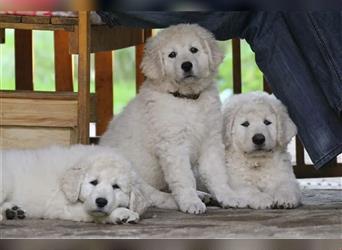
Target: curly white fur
(55, 183)
(166, 136)
(262, 173)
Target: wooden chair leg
(139, 52)
(23, 60)
(63, 61)
(104, 90)
(83, 77)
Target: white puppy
(175, 122)
(80, 183)
(257, 131)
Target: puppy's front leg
(122, 215)
(213, 173)
(176, 166)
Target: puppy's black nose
(258, 139)
(186, 66)
(101, 202)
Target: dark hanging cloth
(300, 54)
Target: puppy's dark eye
(267, 122)
(115, 186)
(94, 182)
(172, 54)
(245, 124)
(193, 50)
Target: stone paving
(319, 217)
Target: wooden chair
(46, 113)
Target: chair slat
(139, 52)
(236, 65)
(104, 90)
(63, 62)
(23, 60)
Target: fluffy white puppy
(80, 183)
(257, 130)
(175, 122)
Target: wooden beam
(10, 19)
(104, 90)
(36, 26)
(64, 20)
(236, 65)
(23, 60)
(309, 171)
(84, 77)
(36, 19)
(104, 38)
(63, 62)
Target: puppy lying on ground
(257, 130)
(174, 124)
(80, 183)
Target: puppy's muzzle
(101, 202)
(258, 139)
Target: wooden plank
(84, 77)
(104, 90)
(35, 137)
(104, 38)
(236, 65)
(308, 171)
(266, 86)
(64, 20)
(36, 26)
(2, 35)
(23, 60)
(139, 52)
(63, 62)
(36, 19)
(10, 19)
(41, 112)
(23, 94)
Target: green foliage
(124, 65)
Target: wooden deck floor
(319, 217)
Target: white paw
(192, 206)
(286, 200)
(260, 201)
(229, 199)
(124, 215)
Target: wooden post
(139, 52)
(63, 62)
(104, 90)
(83, 77)
(300, 160)
(23, 60)
(236, 65)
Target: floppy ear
(286, 128)
(229, 110)
(138, 202)
(152, 64)
(71, 183)
(214, 53)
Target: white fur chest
(182, 121)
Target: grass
(124, 73)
